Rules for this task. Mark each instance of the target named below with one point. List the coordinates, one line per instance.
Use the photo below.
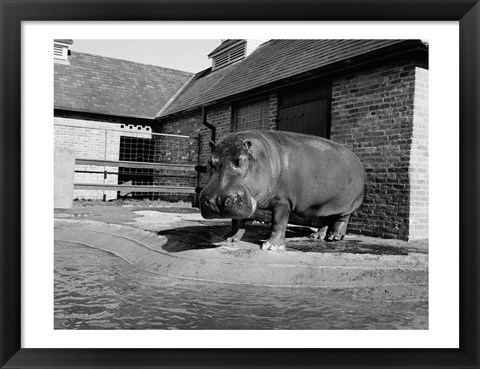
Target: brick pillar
(372, 113)
(418, 226)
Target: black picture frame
(467, 12)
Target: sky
(185, 55)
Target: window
(252, 114)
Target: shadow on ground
(205, 236)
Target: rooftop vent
(231, 51)
(61, 51)
(227, 53)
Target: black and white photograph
(241, 184)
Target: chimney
(61, 51)
(232, 51)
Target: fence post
(64, 168)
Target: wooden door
(310, 118)
(305, 108)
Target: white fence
(115, 160)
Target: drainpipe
(202, 168)
(211, 127)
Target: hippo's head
(234, 181)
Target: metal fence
(130, 161)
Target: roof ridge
(173, 98)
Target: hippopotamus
(284, 172)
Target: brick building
(370, 95)
(103, 107)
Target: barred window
(252, 114)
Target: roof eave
(180, 113)
(119, 115)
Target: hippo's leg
(338, 229)
(276, 242)
(237, 231)
(323, 225)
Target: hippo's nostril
(213, 202)
(209, 202)
(205, 201)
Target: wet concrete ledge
(388, 277)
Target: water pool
(97, 290)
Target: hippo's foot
(320, 234)
(337, 233)
(234, 236)
(334, 237)
(271, 246)
(339, 229)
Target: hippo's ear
(212, 145)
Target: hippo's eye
(239, 162)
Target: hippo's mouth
(241, 207)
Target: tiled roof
(98, 84)
(271, 62)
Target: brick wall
(372, 113)
(98, 141)
(189, 125)
(419, 159)
(176, 150)
(273, 112)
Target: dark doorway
(305, 108)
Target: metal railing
(129, 161)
